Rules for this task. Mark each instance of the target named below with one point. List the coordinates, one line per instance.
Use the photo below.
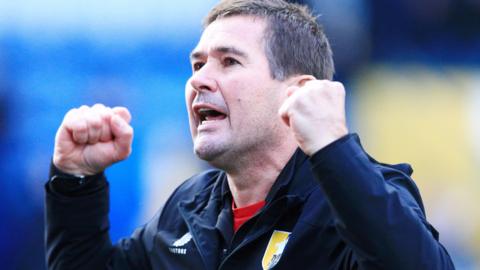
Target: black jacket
(340, 209)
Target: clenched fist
(315, 113)
(92, 138)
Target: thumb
(283, 111)
(291, 90)
(123, 136)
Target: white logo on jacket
(179, 243)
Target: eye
(229, 61)
(197, 66)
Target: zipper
(258, 234)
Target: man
(292, 188)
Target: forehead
(242, 32)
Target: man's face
(231, 98)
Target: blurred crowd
(411, 68)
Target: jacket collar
(209, 212)
(291, 180)
(288, 181)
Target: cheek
(189, 97)
(251, 100)
(189, 93)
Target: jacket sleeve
(77, 228)
(378, 210)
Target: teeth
(207, 114)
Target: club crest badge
(275, 248)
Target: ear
(300, 80)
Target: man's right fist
(92, 138)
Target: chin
(207, 152)
(204, 155)
(215, 155)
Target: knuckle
(80, 127)
(81, 130)
(93, 119)
(316, 84)
(129, 132)
(105, 115)
(338, 86)
(98, 106)
(80, 137)
(123, 113)
(322, 82)
(83, 108)
(71, 112)
(70, 116)
(95, 123)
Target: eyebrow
(220, 49)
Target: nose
(202, 80)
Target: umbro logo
(178, 246)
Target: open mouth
(208, 114)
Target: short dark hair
(294, 41)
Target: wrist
(323, 141)
(72, 169)
(74, 185)
(59, 173)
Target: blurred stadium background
(412, 71)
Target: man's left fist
(315, 113)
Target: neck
(253, 178)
